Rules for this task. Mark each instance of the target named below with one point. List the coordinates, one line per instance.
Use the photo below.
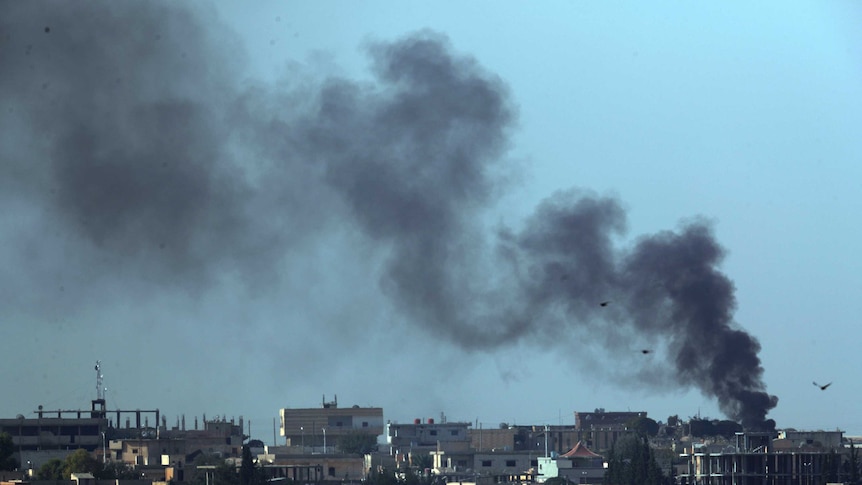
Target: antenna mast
(100, 391)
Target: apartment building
(599, 430)
(319, 429)
(424, 436)
(757, 458)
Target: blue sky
(743, 116)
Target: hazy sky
(419, 206)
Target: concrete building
(423, 437)
(599, 430)
(318, 428)
(177, 446)
(578, 465)
(137, 437)
(753, 459)
(314, 468)
(506, 466)
(556, 438)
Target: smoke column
(127, 132)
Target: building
(177, 446)
(506, 466)
(423, 437)
(138, 437)
(599, 430)
(314, 468)
(319, 429)
(759, 458)
(578, 465)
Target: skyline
(420, 255)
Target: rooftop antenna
(98, 404)
(100, 391)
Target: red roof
(580, 451)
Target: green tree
(727, 428)
(357, 443)
(221, 474)
(51, 470)
(116, 470)
(247, 471)
(632, 462)
(643, 425)
(382, 476)
(421, 461)
(80, 461)
(854, 466)
(7, 452)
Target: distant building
(599, 430)
(426, 436)
(556, 438)
(314, 468)
(578, 465)
(137, 437)
(319, 428)
(758, 458)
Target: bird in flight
(604, 303)
(646, 351)
(822, 387)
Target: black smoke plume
(128, 131)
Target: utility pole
(547, 429)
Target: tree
(51, 470)
(255, 444)
(80, 461)
(357, 443)
(854, 465)
(632, 462)
(382, 476)
(643, 425)
(247, 469)
(421, 460)
(116, 470)
(222, 474)
(7, 452)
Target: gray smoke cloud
(127, 125)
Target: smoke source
(126, 126)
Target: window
(510, 463)
(486, 463)
(461, 463)
(135, 451)
(332, 471)
(454, 432)
(433, 432)
(365, 424)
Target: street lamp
(324, 441)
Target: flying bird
(646, 351)
(604, 303)
(822, 387)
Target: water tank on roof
(430, 420)
(417, 421)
